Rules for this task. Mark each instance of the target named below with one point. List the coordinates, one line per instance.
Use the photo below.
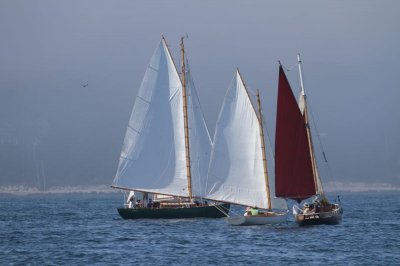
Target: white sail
(236, 172)
(200, 142)
(153, 156)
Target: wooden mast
(185, 116)
(263, 150)
(317, 181)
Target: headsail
(293, 166)
(236, 172)
(200, 141)
(153, 156)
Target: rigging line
(220, 208)
(175, 51)
(195, 96)
(177, 46)
(249, 89)
(269, 139)
(320, 145)
(235, 213)
(289, 68)
(265, 126)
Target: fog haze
(52, 126)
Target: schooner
(166, 150)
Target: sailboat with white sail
(296, 170)
(166, 149)
(238, 167)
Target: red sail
(293, 168)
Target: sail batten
(293, 163)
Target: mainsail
(153, 157)
(236, 172)
(294, 174)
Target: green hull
(174, 213)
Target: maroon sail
(293, 168)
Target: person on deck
(150, 203)
(306, 209)
(247, 212)
(296, 208)
(254, 211)
(131, 199)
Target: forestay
(236, 172)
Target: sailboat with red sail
(296, 171)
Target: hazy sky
(50, 125)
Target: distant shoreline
(360, 187)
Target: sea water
(81, 229)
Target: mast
(301, 76)
(185, 119)
(317, 180)
(263, 150)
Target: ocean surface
(81, 229)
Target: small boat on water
(238, 167)
(296, 171)
(262, 218)
(166, 150)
